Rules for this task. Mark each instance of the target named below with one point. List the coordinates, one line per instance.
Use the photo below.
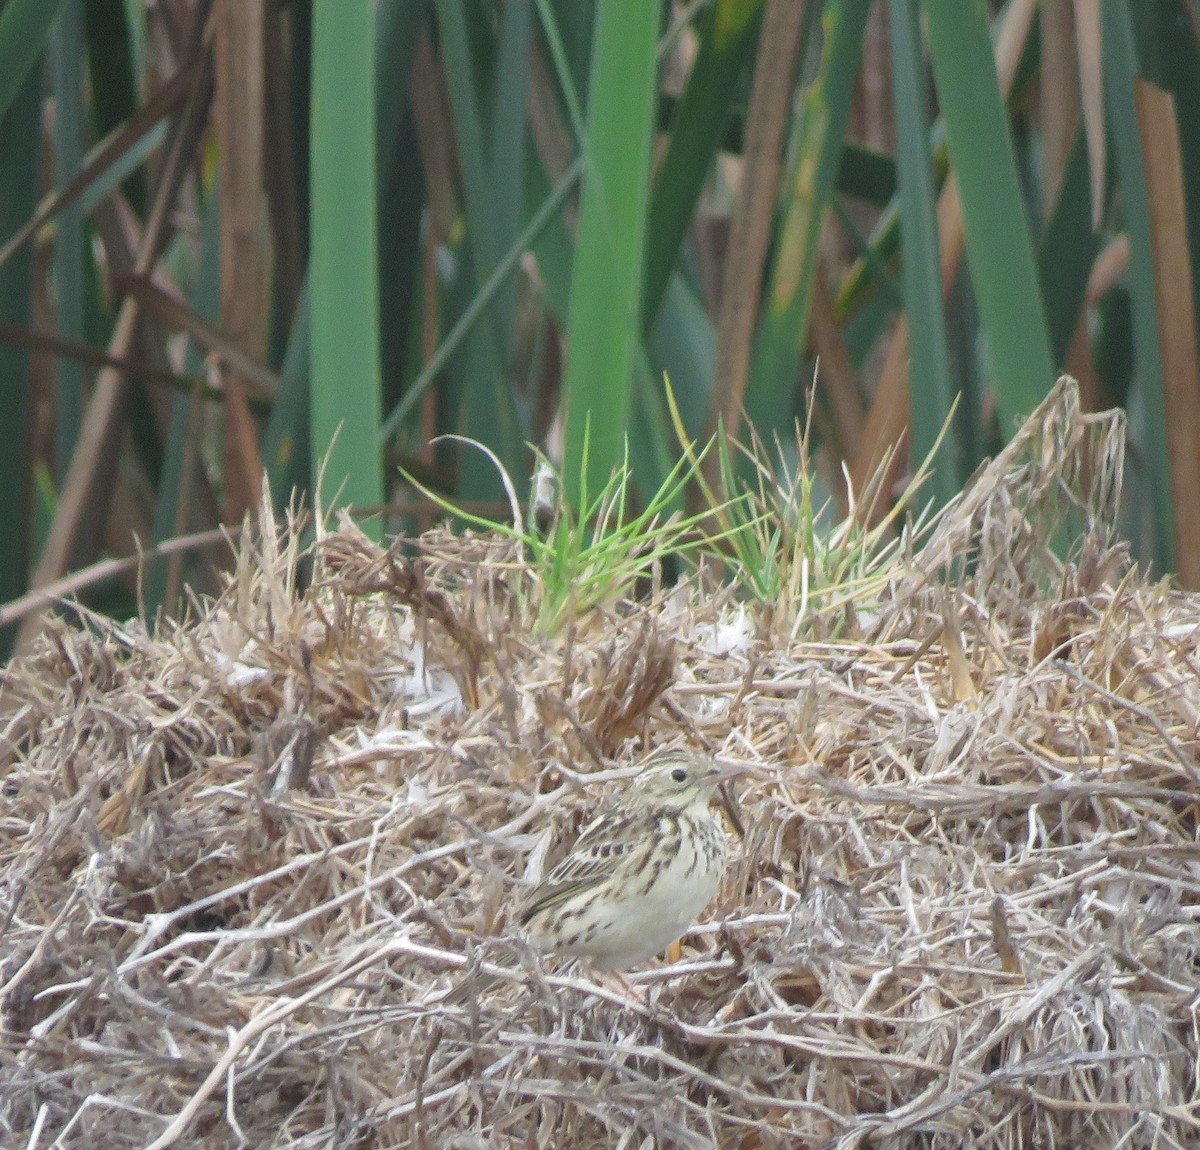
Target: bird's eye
(679, 774)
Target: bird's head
(677, 781)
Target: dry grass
(255, 869)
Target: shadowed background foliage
(235, 232)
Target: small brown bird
(640, 874)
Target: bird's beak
(723, 774)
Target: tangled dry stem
(256, 867)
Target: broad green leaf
(930, 383)
(999, 248)
(114, 36)
(866, 175)
(1120, 74)
(728, 34)
(202, 288)
(506, 159)
(820, 133)
(1068, 250)
(541, 221)
(610, 245)
(20, 137)
(344, 276)
(683, 347)
(69, 254)
(24, 34)
(478, 389)
(286, 452)
(401, 195)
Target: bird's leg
(614, 980)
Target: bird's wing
(597, 852)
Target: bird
(640, 874)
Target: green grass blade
(507, 151)
(568, 93)
(20, 141)
(286, 438)
(1120, 73)
(175, 509)
(401, 195)
(69, 252)
(553, 245)
(574, 27)
(999, 248)
(484, 402)
(1067, 251)
(861, 281)
(299, 41)
(135, 18)
(24, 32)
(683, 346)
(678, 353)
(114, 45)
(344, 291)
(607, 275)
(567, 88)
(727, 37)
(398, 25)
(930, 381)
(127, 165)
(866, 175)
(820, 133)
(470, 131)
(547, 212)
(651, 453)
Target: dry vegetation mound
(256, 868)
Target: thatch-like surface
(255, 871)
